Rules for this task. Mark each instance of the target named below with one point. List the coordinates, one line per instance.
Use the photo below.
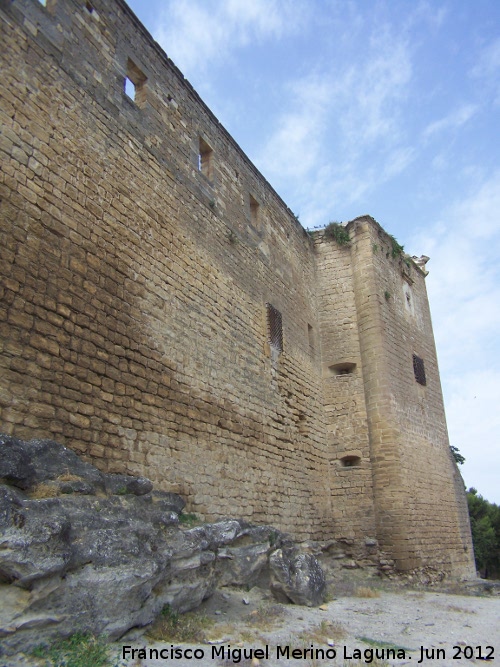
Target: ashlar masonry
(164, 313)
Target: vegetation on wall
(397, 249)
(455, 452)
(338, 233)
(485, 527)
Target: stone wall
(345, 416)
(136, 285)
(418, 517)
(144, 260)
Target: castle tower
(419, 499)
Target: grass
(460, 610)
(246, 635)
(367, 592)
(335, 231)
(188, 519)
(173, 627)
(79, 650)
(265, 617)
(396, 248)
(376, 643)
(43, 490)
(69, 477)
(323, 632)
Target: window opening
(302, 424)
(254, 211)
(310, 336)
(135, 83)
(43, 2)
(343, 368)
(274, 328)
(350, 461)
(419, 370)
(205, 159)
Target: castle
(164, 313)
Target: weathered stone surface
(122, 484)
(108, 556)
(16, 467)
(36, 461)
(168, 501)
(296, 576)
(133, 307)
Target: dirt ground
(365, 625)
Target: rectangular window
(274, 328)
(135, 84)
(419, 370)
(310, 334)
(254, 212)
(205, 159)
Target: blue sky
(388, 108)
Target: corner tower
(420, 507)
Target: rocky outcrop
(102, 553)
(296, 577)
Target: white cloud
(197, 35)
(487, 69)
(294, 148)
(474, 425)
(488, 62)
(375, 89)
(452, 121)
(464, 292)
(464, 279)
(354, 109)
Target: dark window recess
(419, 370)
(343, 368)
(254, 211)
(274, 327)
(310, 334)
(205, 159)
(135, 83)
(350, 461)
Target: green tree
(485, 527)
(456, 455)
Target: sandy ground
(456, 630)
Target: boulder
(85, 551)
(124, 484)
(296, 576)
(26, 464)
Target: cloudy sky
(383, 107)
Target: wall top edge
(417, 262)
(190, 88)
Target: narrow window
(343, 368)
(43, 2)
(135, 83)
(205, 159)
(419, 370)
(274, 328)
(310, 335)
(350, 461)
(254, 211)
